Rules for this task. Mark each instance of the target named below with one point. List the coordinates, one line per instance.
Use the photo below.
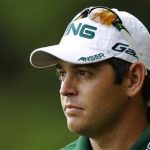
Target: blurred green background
(31, 117)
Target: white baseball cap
(91, 37)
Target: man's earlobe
(136, 77)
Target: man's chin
(76, 127)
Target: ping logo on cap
(83, 30)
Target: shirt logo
(83, 30)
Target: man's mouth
(72, 109)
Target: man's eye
(83, 74)
(61, 75)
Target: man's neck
(123, 134)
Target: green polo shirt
(82, 143)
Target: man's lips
(72, 109)
(70, 106)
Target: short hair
(121, 69)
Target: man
(103, 64)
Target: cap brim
(42, 57)
(49, 56)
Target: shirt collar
(83, 143)
(143, 142)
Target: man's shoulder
(70, 146)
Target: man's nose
(68, 86)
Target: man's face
(90, 99)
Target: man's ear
(136, 78)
